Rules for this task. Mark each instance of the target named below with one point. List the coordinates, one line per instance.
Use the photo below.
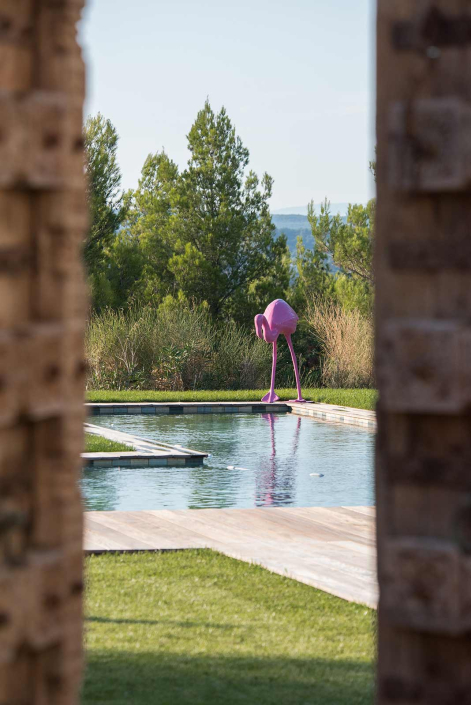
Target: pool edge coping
(323, 412)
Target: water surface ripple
(257, 460)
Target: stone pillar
(423, 351)
(42, 311)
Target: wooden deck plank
(362, 532)
(159, 533)
(159, 529)
(232, 528)
(100, 541)
(329, 548)
(359, 548)
(369, 511)
(92, 537)
(120, 538)
(350, 512)
(303, 525)
(335, 516)
(136, 529)
(221, 528)
(279, 526)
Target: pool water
(256, 460)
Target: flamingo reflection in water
(276, 484)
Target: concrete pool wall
(323, 412)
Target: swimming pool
(256, 460)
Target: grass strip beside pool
(198, 627)
(356, 398)
(98, 444)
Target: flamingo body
(281, 317)
(278, 319)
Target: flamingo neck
(269, 335)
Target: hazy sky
(296, 77)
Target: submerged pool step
(147, 453)
(136, 460)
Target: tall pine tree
(220, 229)
(103, 188)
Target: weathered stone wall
(42, 311)
(423, 338)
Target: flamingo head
(258, 320)
(263, 330)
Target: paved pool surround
(323, 412)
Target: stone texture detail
(423, 346)
(42, 310)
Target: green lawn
(98, 444)
(358, 398)
(197, 627)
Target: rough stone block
(422, 580)
(430, 145)
(424, 366)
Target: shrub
(239, 361)
(346, 341)
(175, 347)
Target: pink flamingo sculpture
(279, 318)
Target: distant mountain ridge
(291, 221)
(293, 226)
(341, 208)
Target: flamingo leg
(296, 371)
(271, 396)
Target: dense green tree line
(205, 234)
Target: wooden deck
(332, 549)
